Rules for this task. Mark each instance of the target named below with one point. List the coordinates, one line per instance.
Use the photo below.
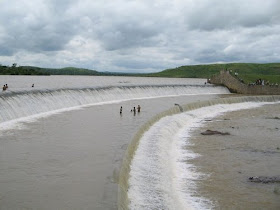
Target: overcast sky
(138, 35)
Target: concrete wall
(236, 86)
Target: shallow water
(72, 160)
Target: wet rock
(274, 118)
(210, 132)
(265, 179)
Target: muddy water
(71, 160)
(251, 149)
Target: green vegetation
(248, 72)
(14, 70)
(63, 71)
(32, 70)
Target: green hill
(63, 71)
(249, 72)
(14, 70)
(33, 70)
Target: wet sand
(251, 149)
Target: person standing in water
(121, 110)
(138, 108)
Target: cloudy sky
(138, 35)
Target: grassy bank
(249, 72)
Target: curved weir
(158, 197)
(27, 104)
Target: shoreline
(251, 149)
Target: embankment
(236, 86)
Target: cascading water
(155, 173)
(18, 105)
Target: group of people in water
(132, 110)
(5, 87)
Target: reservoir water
(64, 144)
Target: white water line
(162, 152)
(26, 107)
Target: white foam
(18, 108)
(161, 176)
(19, 123)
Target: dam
(235, 85)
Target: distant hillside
(63, 71)
(33, 70)
(249, 72)
(14, 70)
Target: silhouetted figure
(4, 87)
(121, 110)
(32, 85)
(138, 108)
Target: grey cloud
(127, 36)
(122, 27)
(6, 51)
(217, 15)
(123, 35)
(138, 64)
(34, 29)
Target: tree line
(19, 70)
